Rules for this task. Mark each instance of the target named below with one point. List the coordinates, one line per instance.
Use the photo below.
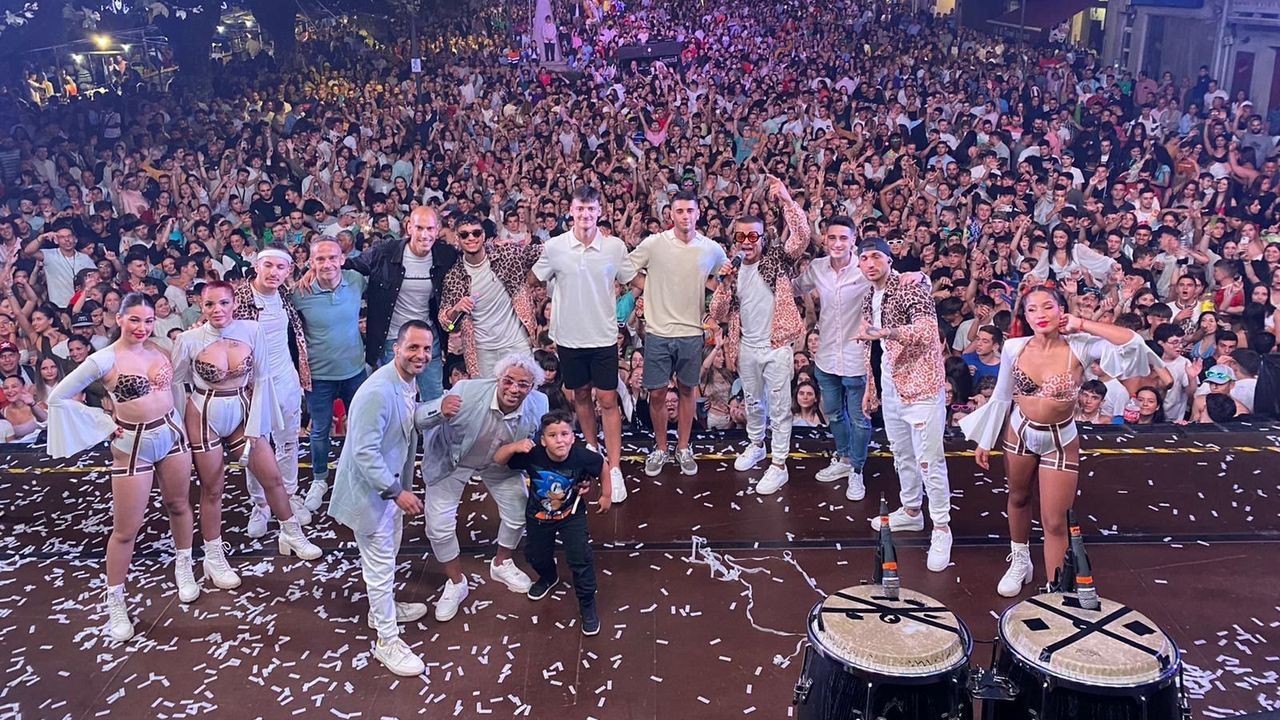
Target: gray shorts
(664, 357)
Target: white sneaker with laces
(618, 489)
(315, 495)
(774, 478)
(857, 488)
(1020, 570)
(939, 550)
(833, 472)
(899, 520)
(749, 457)
(398, 658)
(513, 577)
(184, 575)
(405, 613)
(258, 518)
(119, 627)
(451, 598)
(300, 511)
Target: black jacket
(384, 264)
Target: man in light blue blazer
(371, 490)
(494, 412)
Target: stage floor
(1185, 530)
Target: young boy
(559, 473)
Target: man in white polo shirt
(678, 265)
(584, 264)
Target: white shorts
(145, 444)
(1048, 442)
(222, 414)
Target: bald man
(405, 280)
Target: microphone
(1086, 593)
(736, 262)
(886, 573)
(456, 320)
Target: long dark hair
(131, 300)
(1019, 327)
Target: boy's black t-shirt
(554, 486)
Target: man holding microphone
(371, 488)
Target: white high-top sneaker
(216, 567)
(119, 627)
(1020, 570)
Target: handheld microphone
(736, 262)
(456, 320)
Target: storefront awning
(1042, 15)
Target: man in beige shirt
(678, 265)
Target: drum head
(1113, 646)
(913, 636)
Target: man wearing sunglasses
(755, 297)
(487, 300)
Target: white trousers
(378, 551)
(766, 387)
(507, 489)
(487, 360)
(285, 441)
(915, 438)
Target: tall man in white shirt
(61, 264)
(581, 266)
(262, 299)
(678, 264)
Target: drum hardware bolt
(801, 693)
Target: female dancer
(225, 361)
(147, 440)
(1036, 391)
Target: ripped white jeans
(915, 433)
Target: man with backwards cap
(903, 318)
(263, 299)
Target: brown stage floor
(1186, 530)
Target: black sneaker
(590, 620)
(541, 588)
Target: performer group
(232, 388)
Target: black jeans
(540, 548)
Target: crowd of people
(1018, 238)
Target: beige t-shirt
(675, 285)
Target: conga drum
(1063, 661)
(870, 657)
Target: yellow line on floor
(1198, 450)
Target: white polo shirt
(583, 303)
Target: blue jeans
(320, 408)
(431, 381)
(842, 404)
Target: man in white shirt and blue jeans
(678, 264)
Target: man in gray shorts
(678, 265)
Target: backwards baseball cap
(8, 347)
(874, 244)
(1220, 375)
(82, 319)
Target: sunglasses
(746, 237)
(464, 234)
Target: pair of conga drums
(873, 658)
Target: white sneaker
(857, 488)
(258, 518)
(1020, 570)
(939, 550)
(618, 491)
(119, 627)
(216, 567)
(398, 658)
(774, 478)
(300, 511)
(315, 495)
(405, 613)
(833, 472)
(900, 520)
(749, 457)
(184, 575)
(513, 577)
(450, 598)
